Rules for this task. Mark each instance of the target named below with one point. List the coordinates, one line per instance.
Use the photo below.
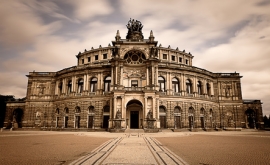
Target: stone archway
(134, 114)
(17, 118)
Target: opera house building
(134, 83)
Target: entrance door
(66, 121)
(90, 121)
(134, 119)
(57, 120)
(202, 122)
(177, 122)
(77, 121)
(190, 121)
(162, 121)
(106, 121)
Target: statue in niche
(153, 52)
(118, 115)
(149, 115)
(115, 51)
(227, 91)
(41, 89)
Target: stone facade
(135, 76)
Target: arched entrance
(191, 117)
(202, 117)
(250, 119)
(134, 114)
(17, 118)
(177, 117)
(106, 116)
(162, 117)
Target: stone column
(112, 77)
(101, 82)
(156, 70)
(183, 84)
(74, 84)
(114, 107)
(153, 79)
(212, 88)
(194, 90)
(84, 82)
(147, 76)
(123, 106)
(167, 83)
(64, 87)
(121, 75)
(145, 107)
(56, 88)
(116, 77)
(87, 83)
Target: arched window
(175, 85)
(208, 88)
(106, 108)
(188, 86)
(93, 85)
(202, 111)
(77, 109)
(60, 87)
(107, 84)
(66, 110)
(80, 85)
(177, 109)
(91, 109)
(69, 86)
(190, 110)
(134, 57)
(161, 82)
(211, 112)
(57, 111)
(199, 86)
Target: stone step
(134, 131)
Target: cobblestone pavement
(24, 148)
(47, 147)
(134, 148)
(225, 148)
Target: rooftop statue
(134, 30)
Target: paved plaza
(134, 147)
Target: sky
(223, 36)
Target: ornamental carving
(133, 73)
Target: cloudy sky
(223, 36)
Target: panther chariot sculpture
(134, 30)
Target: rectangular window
(180, 59)
(134, 83)
(82, 61)
(89, 59)
(96, 57)
(186, 61)
(165, 56)
(105, 56)
(173, 58)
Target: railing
(92, 93)
(176, 94)
(134, 88)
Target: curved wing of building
(130, 83)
